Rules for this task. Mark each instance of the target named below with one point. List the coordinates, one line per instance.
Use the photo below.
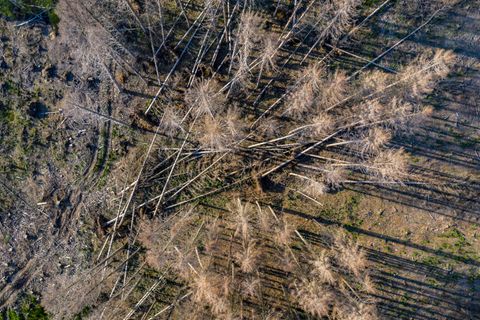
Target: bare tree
(246, 37)
(268, 52)
(330, 20)
(204, 97)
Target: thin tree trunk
(173, 168)
(160, 15)
(398, 43)
(171, 72)
(179, 4)
(136, 16)
(281, 165)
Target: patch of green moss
(103, 152)
(30, 309)
(218, 200)
(347, 213)
(459, 238)
(53, 19)
(388, 248)
(24, 9)
(415, 159)
(432, 282)
(107, 168)
(405, 299)
(432, 261)
(7, 8)
(6, 238)
(371, 3)
(416, 254)
(350, 210)
(83, 314)
(11, 87)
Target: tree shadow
(408, 289)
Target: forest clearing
(239, 159)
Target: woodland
(239, 159)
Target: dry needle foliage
(226, 269)
(68, 294)
(331, 19)
(243, 94)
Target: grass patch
(350, 211)
(432, 282)
(83, 314)
(103, 150)
(459, 240)
(107, 168)
(12, 145)
(432, 261)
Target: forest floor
(424, 239)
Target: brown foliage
(67, 294)
(205, 98)
(390, 165)
(350, 255)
